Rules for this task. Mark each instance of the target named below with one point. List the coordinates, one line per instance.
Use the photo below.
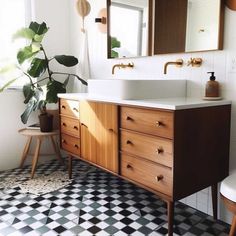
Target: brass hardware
(159, 123)
(76, 146)
(177, 63)
(63, 141)
(64, 124)
(111, 130)
(129, 166)
(63, 107)
(129, 118)
(159, 150)
(75, 109)
(128, 142)
(195, 62)
(75, 127)
(122, 66)
(159, 178)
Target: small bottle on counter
(212, 87)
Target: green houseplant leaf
(53, 88)
(66, 60)
(26, 53)
(38, 28)
(25, 33)
(37, 67)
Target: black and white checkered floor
(96, 203)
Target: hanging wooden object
(83, 8)
(231, 4)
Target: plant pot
(46, 122)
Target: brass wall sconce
(101, 20)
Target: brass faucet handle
(195, 62)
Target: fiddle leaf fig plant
(33, 62)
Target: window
(14, 14)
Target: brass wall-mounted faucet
(177, 63)
(121, 65)
(195, 62)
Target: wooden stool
(39, 138)
(228, 194)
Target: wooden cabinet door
(88, 132)
(107, 136)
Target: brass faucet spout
(178, 63)
(121, 65)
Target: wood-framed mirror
(145, 27)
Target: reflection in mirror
(145, 27)
(128, 28)
(187, 25)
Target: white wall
(152, 68)
(57, 16)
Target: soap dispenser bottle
(212, 87)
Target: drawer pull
(82, 124)
(75, 127)
(159, 178)
(76, 146)
(159, 150)
(159, 123)
(64, 124)
(129, 142)
(129, 166)
(111, 130)
(75, 109)
(63, 107)
(63, 141)
(129, 118)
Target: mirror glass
(128, 28)
(145, 27)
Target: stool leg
(233, 227)
(35, 158)
(70, 166)
(56, 150)
(25, 152)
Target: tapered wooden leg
(35, 158)
(214, 192)
(170, 212)
(70, 166)
(25, 152)
(233, 227)
(56, 150)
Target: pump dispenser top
(212, 87)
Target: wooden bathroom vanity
(170, 150)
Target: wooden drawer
(155, 149)
(69, 108)
(152, 175)
(153, 122)
(70, 144)
(70, 126)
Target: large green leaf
(28, 110)
(38, 28)
(28, 91)
(25, 33)
(53, 88)
(37, 67)
(26, 53)
(66, 60)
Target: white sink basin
(136, 89)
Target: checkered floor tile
(95, 203)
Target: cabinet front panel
(69, 108)
(155, 149)
(149, 174)
(70, 126)
(153, 122)
(70, 144)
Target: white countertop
(178, 103)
